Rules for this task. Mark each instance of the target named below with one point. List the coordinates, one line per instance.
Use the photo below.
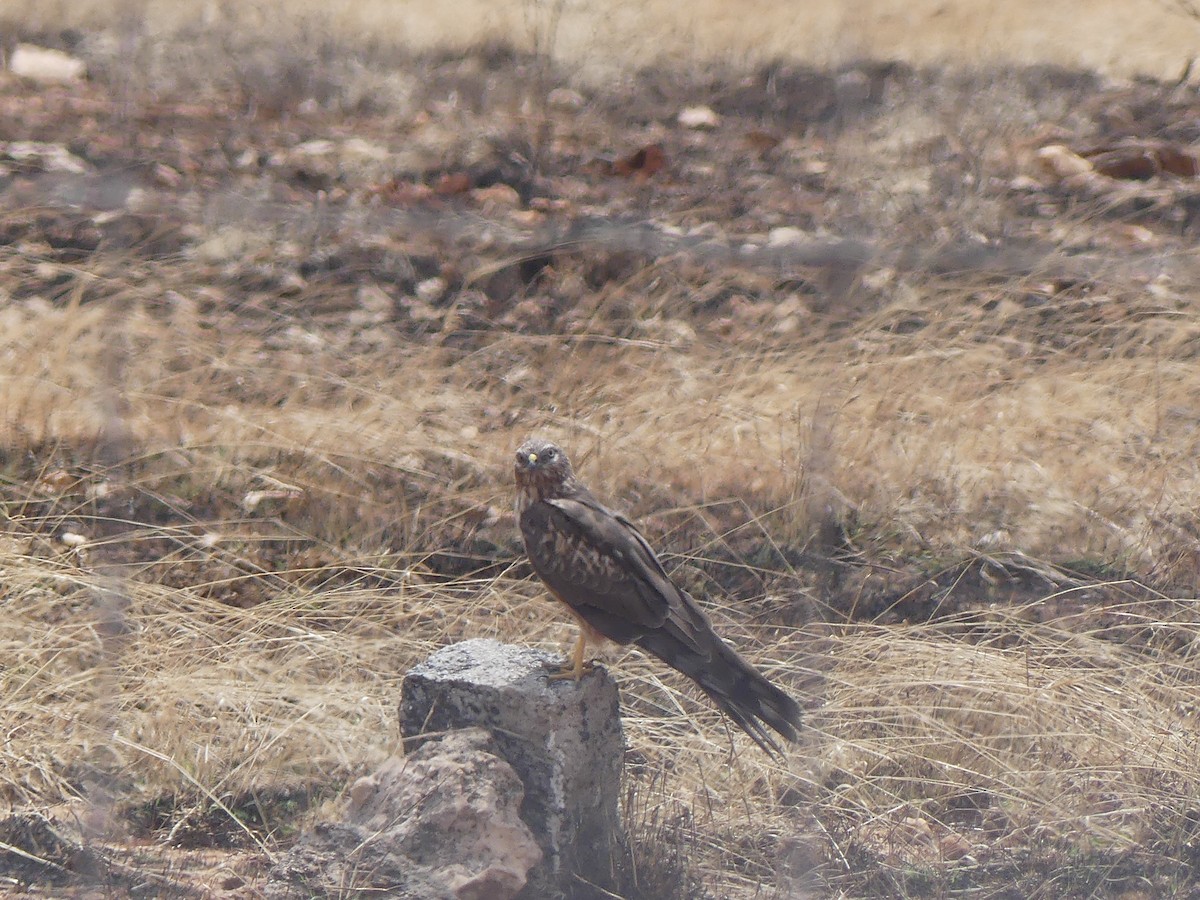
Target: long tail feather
(736, 687)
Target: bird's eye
(550, 453)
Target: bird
(597, 563)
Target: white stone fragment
(45, 65)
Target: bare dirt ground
(898, 363)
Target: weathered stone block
(562, 738)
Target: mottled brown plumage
(597, 563)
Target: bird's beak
(531, 459)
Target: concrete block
(562, 738)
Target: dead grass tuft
(952, 749)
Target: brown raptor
(598, 564)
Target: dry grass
(1122, 37)
(283, 508)
(940, 753)
(972, 741)
(954, 442)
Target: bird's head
(543, 467)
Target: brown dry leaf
(1142, 160)
(643, 164)
(527, 217)
(598, 166)
(402, 192)
(1129, 233)
(550, 204)
(1175, 161)
(1127, 163)
(497, 195)
(761, 141)
(909, 841)
(57, 481)
(953, 846)
(452, 183)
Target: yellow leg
(577, 668)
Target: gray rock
(562, 738)
(440, 824)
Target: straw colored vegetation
(253, 466)
(603, 38)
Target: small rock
(431, 290)
(786, 236)
(374, 300)
(253, 499)
(231, 243)
(43, 157)
(45, 271)
(45, 65)
(698, 117)
(787, 325)
(706, 230)
(358, 150)
(248, 159)
(1062, 162)
(497, 195)
(166, 176)
(1024, 183)
(527, 218)
(565, 99)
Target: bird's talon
(565, 671)
(575, 666)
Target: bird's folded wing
(616, 572)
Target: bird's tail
(735, 686)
